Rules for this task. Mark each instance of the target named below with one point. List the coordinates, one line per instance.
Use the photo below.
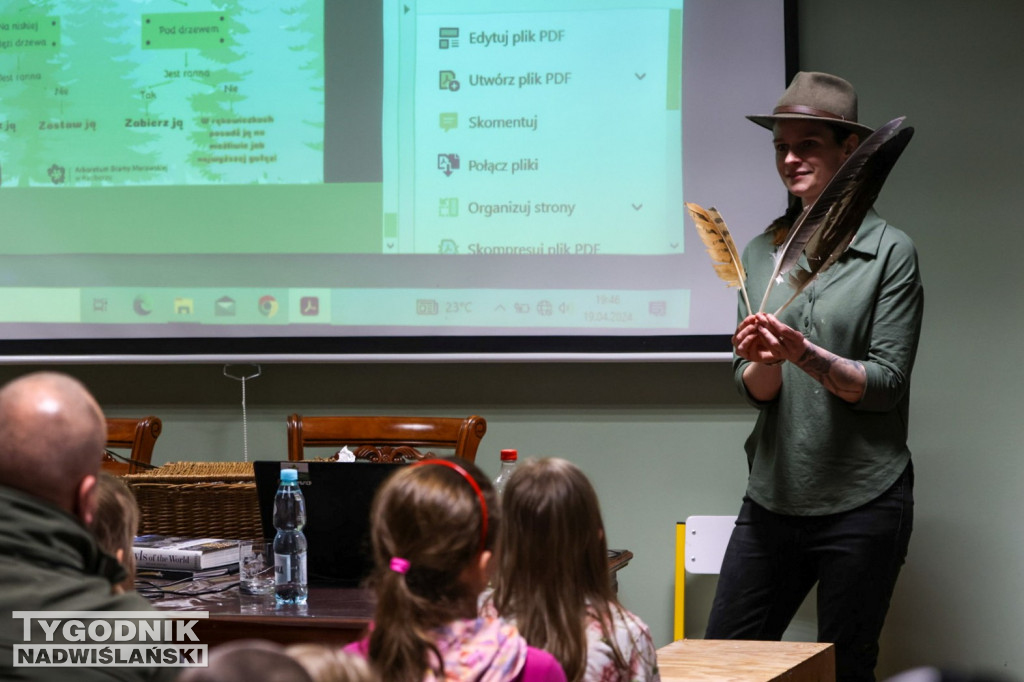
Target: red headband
(476, 489)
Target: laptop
(338, 496)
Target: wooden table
(710, 660)
(333, 615)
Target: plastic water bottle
(508, 465)
(290, 584)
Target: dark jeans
(773, 560)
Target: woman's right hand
(755, 340)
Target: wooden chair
(387, 439)
(137, 435)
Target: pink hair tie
(399, 565)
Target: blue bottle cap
(289, 475)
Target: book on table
(183, 554)
(175, 574)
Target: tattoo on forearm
(814, 364)
(838, 375)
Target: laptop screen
(338, 496)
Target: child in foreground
(248, 660)
(433, 530)
(553, 582)
(324, 663)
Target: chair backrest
(706, 540)
(137, 435)
(700, 548)
(387, 439)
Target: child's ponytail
(428, 524)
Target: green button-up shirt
(812, 453)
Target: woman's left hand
(842, 377)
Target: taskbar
(351, 307)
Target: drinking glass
(255, 567)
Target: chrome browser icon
(268, 306)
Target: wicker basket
(198, 499)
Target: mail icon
(224, 307)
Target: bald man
(52, 434)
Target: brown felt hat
(817, 96)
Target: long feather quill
(725, 257)
(789, 252)
(826, 228)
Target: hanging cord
(245, 421)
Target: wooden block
(706, 660)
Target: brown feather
(828, 227)
(725, 257)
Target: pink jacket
(486, 649)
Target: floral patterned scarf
(484, 649)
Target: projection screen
(334, 179)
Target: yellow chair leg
(679, 613)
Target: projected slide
(204, 92)
(339, 169)
(535, 132)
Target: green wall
(663, 441)
(954, 69)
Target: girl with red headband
(433, 530)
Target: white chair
(700, 548)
